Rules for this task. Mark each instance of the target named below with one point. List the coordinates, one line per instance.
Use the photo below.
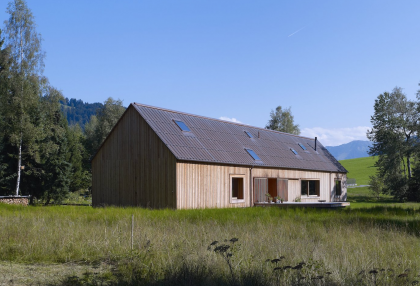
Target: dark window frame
(338, 188)
(310, 188)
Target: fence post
(132, 230)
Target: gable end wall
(134, 167)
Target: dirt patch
(44, 274)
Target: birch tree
(22, 99)
(282, 120)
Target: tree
(80, 176)
(99, 126)
(55, 150)
(282, 120)
(394, 137)
(19, 104)
(376, 186)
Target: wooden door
(282, 189)
(260, 189)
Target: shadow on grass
(190, 274)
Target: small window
(338, 190)
(301, 146)
(310, 188)
(237, 188)
(182, 126)
(294, 151)
(253, 155)
(249, 134)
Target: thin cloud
(336, 136)
(296, 32)
(229, 119)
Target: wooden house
(160, 158)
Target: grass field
(369, 243)
(92, 246)
(360, 169)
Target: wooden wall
(134, 167)
(201, 185)
(326, 182)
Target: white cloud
(336, 136)
(229, 119)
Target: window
(301, 146)
(249, 134)
(294, 151)
(338, 188)
(310, 188)
(237, 188)
(182, 126)
(253, 155)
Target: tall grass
(343, 242)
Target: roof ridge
(220, 120)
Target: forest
(46, 140)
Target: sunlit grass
(343, 241)
(360, 169)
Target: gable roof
(217, 141)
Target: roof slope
(217, 141)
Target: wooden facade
(134, 167)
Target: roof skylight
(253, 154)
(301, 146)
(294, 151)
(249, 134)
(182, 126)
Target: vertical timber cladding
(294, 177)
(134, 167)
(202, 185)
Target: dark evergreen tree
(55, 150)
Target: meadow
(353, 246)
(372, 242)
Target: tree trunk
(19, 166)
(409, 166)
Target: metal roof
(217, 141)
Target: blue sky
(328, 60)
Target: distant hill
(360, 169)
(79, 112)
(351, 150)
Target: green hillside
(360, 169)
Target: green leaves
(283, 121)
